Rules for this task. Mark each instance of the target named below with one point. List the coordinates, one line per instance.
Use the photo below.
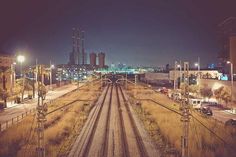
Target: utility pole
(101, 80)
(175, 76)
(41, 113)
(50, 75)
(185, 112)
(126, 79)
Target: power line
(210, 130)
(65, 106)
(164, 106)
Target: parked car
(231, 122)
(207, 111)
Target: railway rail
(110, 129)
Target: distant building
(93, 58)
(101, 60)
(227, 30)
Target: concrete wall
(156, 76)
(215, 84)
(203, 74)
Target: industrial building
(93, 58)
(101, 60)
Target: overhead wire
(170, 109)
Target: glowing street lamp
(51, 67)
(21, 59)
(197, 64)
(232, 78)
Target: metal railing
(15, 120)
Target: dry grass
(60, 127)
(202, 143)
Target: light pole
(197, 64)
(51, 67)
(180, 72)
(12, 76)
(232, 79)
(175, 75)
(21, 59)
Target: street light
(12, 76)
(232, 79)
(197, 64)
(51, 67)
(21, 59)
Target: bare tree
(206, 92)
(223, 93)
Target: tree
(218, 93)
(194, 89)
(206, 92)
(23, 85)
(223, 93)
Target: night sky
(135, 32)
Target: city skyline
(158, 32)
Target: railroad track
(83, 143)
(140, 143)
(110, 130)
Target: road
(113, 130)
(222, 115)
(9, 113)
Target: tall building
(101, 60)
(78, 46)
(75, 56)
(93, 58)
(83, 51)
(227, 31)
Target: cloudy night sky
(135, 32)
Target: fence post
(12, 121)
